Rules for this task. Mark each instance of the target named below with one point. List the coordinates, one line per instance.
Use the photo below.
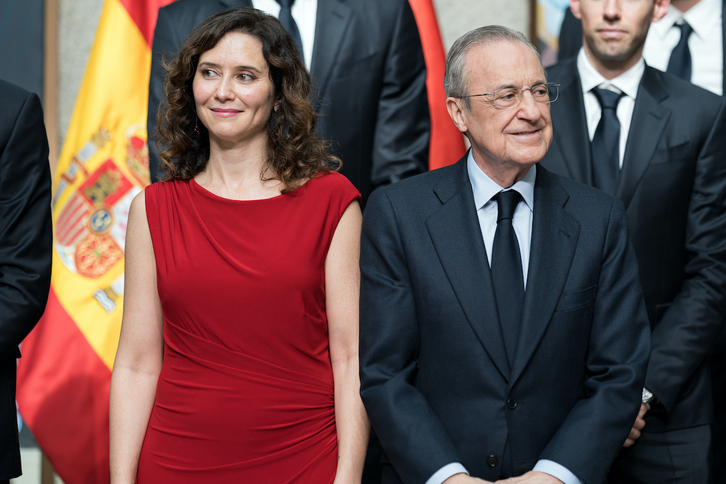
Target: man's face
(510, 139)
(614, 31)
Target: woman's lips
(225, 113)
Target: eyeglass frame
(521, 94)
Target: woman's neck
(239, 172)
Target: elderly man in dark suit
(657, 143)
(503, 332)
(25, 247)
(367, 65)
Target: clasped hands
(531, 477)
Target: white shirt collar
(626, 82)
(485, 188)
(702, 17)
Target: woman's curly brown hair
(295, 154)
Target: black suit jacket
(571, 38)
(25, 246)
(368, 69)
(435, 378)
(673, 186)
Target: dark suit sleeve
(410, 433)
(685, 335)
(25, 224)
(594, 430)
(165, 45)
(401, 139)
(570, 37)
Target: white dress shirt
(484, 189)
(705, 43)
(305, 14)
(487, 209)
(626, 82)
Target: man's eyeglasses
(509, 97)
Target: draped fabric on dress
(245, 392)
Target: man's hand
(533, 477)
(637, 426)
(464, 479)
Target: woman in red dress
(238, 357)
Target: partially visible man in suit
(367, 65)
(25, 247)
(690, 34)
(657, 143)
(503, 332)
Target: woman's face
(233, 92)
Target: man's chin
(614, 54)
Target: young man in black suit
(503, 332)
(707, 49)
(367, 65)
(25, 247)
(660, 149)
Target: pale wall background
(78, 21)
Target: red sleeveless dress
(245, 393)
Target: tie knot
(286, 3)
(608, 99)
(507, 203)
(686, 30)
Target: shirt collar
(485, 188)
(702, 17)
(626, 82)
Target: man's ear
(660, 9)
(456, 109)
(575, 7)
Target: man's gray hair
(455, 81)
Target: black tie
(507, 270)
(606, 142)
(286, 19)
(680, 63)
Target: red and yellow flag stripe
(65, 373)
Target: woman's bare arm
(138, 359)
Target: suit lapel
(648, 123)
(330, 27)
(554, 240)
(456, 236)
(570, 126)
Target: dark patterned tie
(680, 62)
(289, 23)
(606, 142)
(507, 270)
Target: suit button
(511, 404)
(492, 461)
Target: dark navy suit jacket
(435, 378)
(673, 186)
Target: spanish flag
(64, 375)
(447, 142)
